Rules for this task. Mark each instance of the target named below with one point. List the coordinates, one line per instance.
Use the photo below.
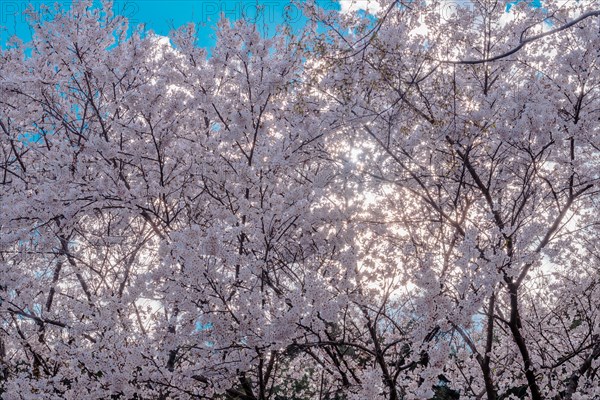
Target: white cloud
(371, 6)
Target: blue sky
(161, 16)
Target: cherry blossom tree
(165, 217)
(399, 204)
(479, 134)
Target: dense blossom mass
(400, 204)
